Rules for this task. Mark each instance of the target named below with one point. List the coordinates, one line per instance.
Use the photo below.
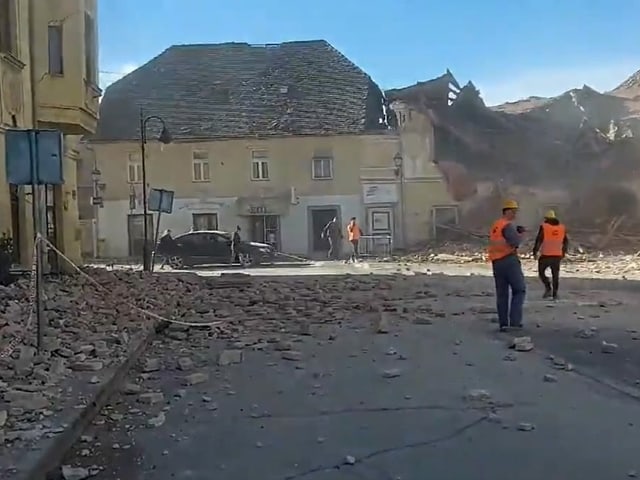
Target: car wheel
(245, 259)
(176, 263)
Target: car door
(193, 248)
(220, 247)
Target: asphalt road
(352, 403)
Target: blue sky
(509, 49)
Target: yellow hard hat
(550, 214)
(511, 204)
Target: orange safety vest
(498, 246)
(354, 231)
(552, 240)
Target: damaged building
(278, 139)
(577, 152)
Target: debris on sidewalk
(609, 347)
(526, 427)
(521, 344)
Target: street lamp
(165, 138)
(399, 172)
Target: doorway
(265, 229)
(320, 216)
(135, 230)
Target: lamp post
(164, 137)
(399, 171)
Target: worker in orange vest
(354, 233)
(552, 243)
(504, 240)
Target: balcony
(68, 105)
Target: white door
(380, 229)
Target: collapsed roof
(233, 90)
(581, 134)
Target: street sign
(160, 200)
(34, 157)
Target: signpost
(34, 158)
(160, 201)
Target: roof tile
(234, 90)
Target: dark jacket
(332, 230)
(167, 245)
(235, 240)
(540, 237)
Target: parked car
(214, 246)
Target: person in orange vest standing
(504, 240)
(552, 244)
(354, 233)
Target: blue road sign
(34, 157)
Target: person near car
(333, 234)
(166, 247)
(235, 244)
(354, 232)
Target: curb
(48, 459)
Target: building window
(259, 165)
(56, 59)
(205, 221)
(134, 170)
(322, 168)
(200, 166)
(90, 49)
(8, 22)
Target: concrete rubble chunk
(522, 344)
(586, 333)
(131, 389)
(526, 427)
(230, 357)
(391, 373)
(609, 347)
(151, 365)
(195, 379)
(422, 321)
(350, 460)
(75, 473)
(549, 378)
(157, 421)
(87, 366)
(291, 356)
(151, 398)
(478, 395)
(185, 364)
(27, 401)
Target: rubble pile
(88, 331)
(574, 145)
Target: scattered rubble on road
(89, 333)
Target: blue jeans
(507, 273)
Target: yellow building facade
(48, 79)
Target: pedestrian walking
(551, 244)
(504, 240)
(333, 234)
(166, 248)
(235, 244)
(354, 233)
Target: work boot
(547, 292)
(555, 296)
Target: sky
(509, 49)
